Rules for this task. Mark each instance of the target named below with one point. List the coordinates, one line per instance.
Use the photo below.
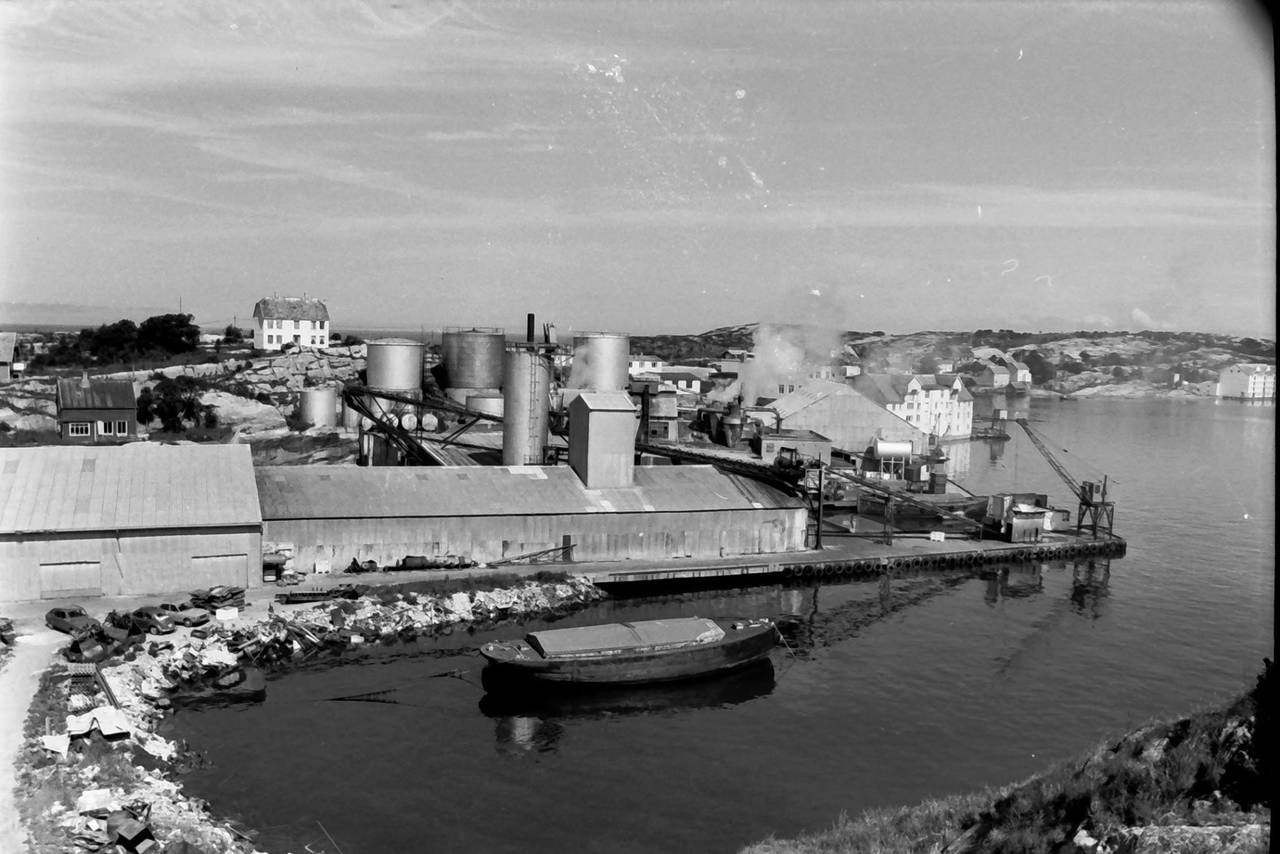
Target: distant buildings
(300, 321)
(8, 345)
(846, 416)
(938, 404)
(1248, 382)
(92, 411)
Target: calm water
(938, 685)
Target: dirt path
(18, 679)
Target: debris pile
(112, 799)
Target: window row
(105, 428)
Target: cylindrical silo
(462, 394)
(600, 361)
(350, 416)
(395, 365)
(490, 403)
(473, 358)
(319, 406)
(526, 387)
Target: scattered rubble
(106, 781)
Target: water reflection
(1014, 582)
(1089, 580)
(532, 720)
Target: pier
(851, 558)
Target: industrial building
(128, 519)
(331, 515)
(936, 403)
(1248, 382)
(850, 419)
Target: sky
(641, 167)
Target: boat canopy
(618, 637)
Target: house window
(78, 428)
(104, 428)
(122, 428)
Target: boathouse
(100, 520)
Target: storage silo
(473, 358)
(395, 365)
(319, 406)
(489, 403)
(600, 361)
(526, 389)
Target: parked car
(185, 614)
(71, 619)
(153, 620)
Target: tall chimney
(529, 329)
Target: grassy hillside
(1201, 783)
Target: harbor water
(887, 693)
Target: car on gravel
(185, 614)
(153, 620)
(72, 620)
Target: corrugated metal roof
(334, 492)
(606, 401)
(290, 308)
(139, 485)
(812, 392)
(98, 394)
(8, 342)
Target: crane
(1092, 496)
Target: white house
(301, 321)
(643, 363)
(1248, 382)
(936, 403)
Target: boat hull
(739, 648)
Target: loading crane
(1092, 496)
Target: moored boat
(629, 653)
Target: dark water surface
(941, 684)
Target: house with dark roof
(91, 411)
(938, 404)
(300, 321)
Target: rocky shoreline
(91, 771)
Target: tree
(146, 406)
(115, 342)
(233, 334)
(177, 401)
(926, 364)
(168, 333)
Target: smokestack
(644, 412)
(529, 329)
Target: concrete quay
(846, 556)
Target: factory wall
(117, 563)
(595, 536)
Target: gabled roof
(884, 389)
(62, 488)
(290, 308)
(812, 392)
(97, 394)
(342, 492)
(8, 343)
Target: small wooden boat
(629, 653)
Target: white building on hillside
(301, 321)
(938, 404)
(1248, 382)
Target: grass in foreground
(1212, 768)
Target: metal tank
(463, 394)
(526, 388)
(395, 364)
(319, 406)
(488, 403)
(350, 417)
(472, 358)
(600, 361)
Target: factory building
(1248, 382)
(129, 519)
(331, 515)
(850, 419)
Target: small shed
(602, 438)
